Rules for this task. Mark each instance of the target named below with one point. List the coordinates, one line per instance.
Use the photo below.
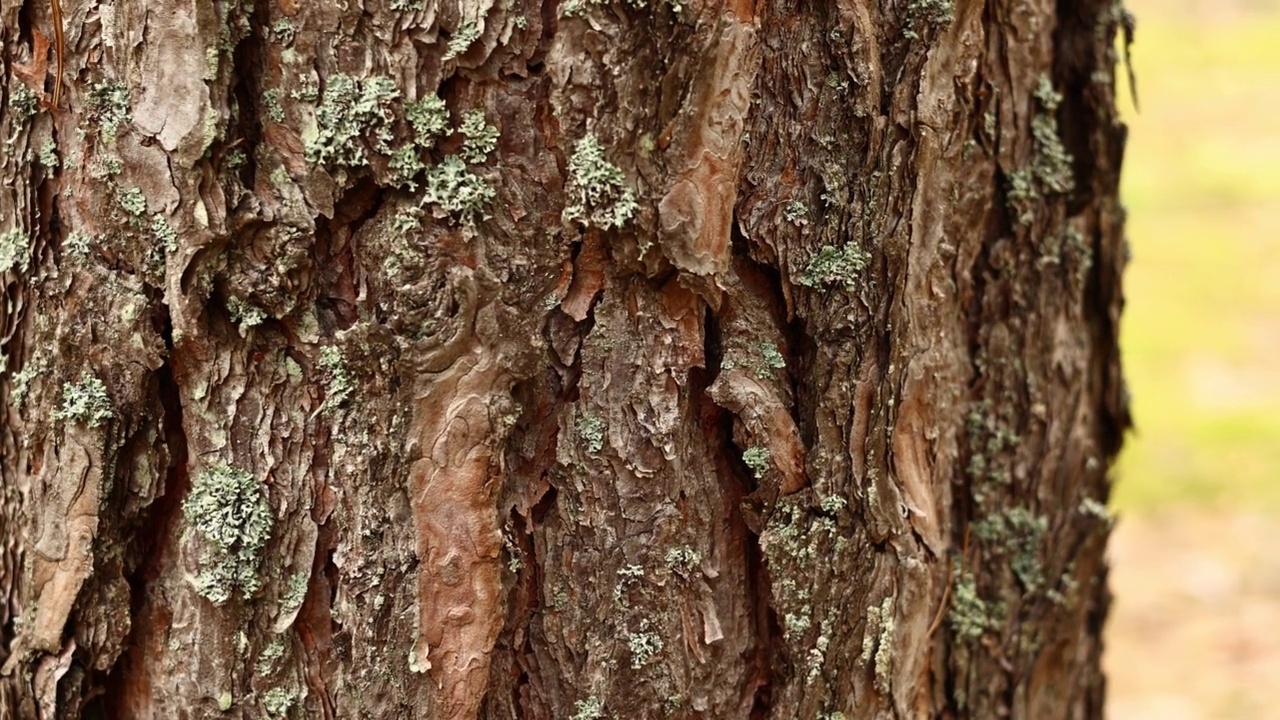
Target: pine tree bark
(407, 358)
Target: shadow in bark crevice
(151, 532)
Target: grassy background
(1194, 631)
(1201, 331)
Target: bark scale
(496, 360)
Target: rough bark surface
(686, 359)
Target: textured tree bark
(474, 359)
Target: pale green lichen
(108, 105)
(85, 401)
(245, 315)
(23, 102)
(683, 560)
(407, 5)
(1019, 533)
(884, 645)
(970, 616)
(1051, 170)
(644, 645)
(228, 509)
(833, 504)
(284, 32)
(462, 39)
(48, 154)
(455, 189)
(796, 213)
(404, 166)
(481, 137)
(270, 655)
(20, 382)
(131, 200)
(773, 360)
(340, 384)
(278, 701)
(295, 593)
(271, 104)
(758, 460)
(406, 221)
(429, 118)
(164, 233)
(590, 709)
(77, 244)
(833, 265)
(350, 112)
(574, 8)
(15, 250)
(599, 188)
(591, 428)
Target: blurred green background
(1194, 631)
(1201, 331)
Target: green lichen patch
(758, 460)
(23, 103)
(228, 509)
(462, 39)
(15, 250)
(456, 190)
(429, 118)
(644, 645)
(85, 401)
(590, 709)
(404, 166)
(340, 384)
(599, 188)
(48, 155)
(833, 265)
(164, 233)
(683, 560)
(107, 104)
(1017, 533)
(591, 429)
(1050, 171)
(350, 112)
(131, 200)
(971, 616)
(771, 360)
(796, 213)
(244, 314)
(575, 8)
(271, 105)
(481, 137)
(278, 701)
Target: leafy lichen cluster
(1018, 533)
(15, 250)
(598, 187)
(1050, 171)
(349, 111)
(228, 509)
(340, 385)
(758, 460)
(591, 428)
(970, 616)
(833, 265)
(108, 105)
(85, 401)
(455, 189)
(23, 103)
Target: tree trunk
(407, 358)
